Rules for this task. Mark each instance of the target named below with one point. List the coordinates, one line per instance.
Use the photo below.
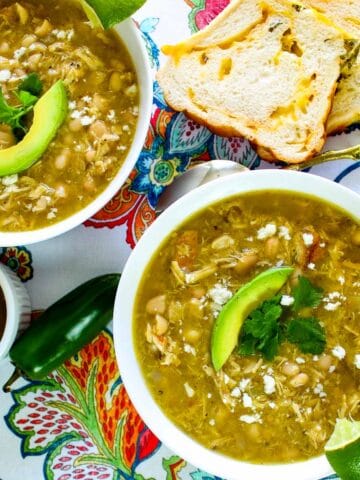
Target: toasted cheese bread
(271, 78)
(346, 107)
(345, 13)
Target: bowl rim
(12, 320)
(149, 411)
(141, 62)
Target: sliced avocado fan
(107, 13)
(49, 114)
(226, 330)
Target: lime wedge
(343, 449)
(107, 13)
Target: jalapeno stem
(16, 374)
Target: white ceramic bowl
(136, 48)
(173, 437)
(18, 308)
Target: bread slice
(263, 69)
(346, 108)
(345, 13)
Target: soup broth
(53, 38)
(253, 409)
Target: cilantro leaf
(261, 331)
(31, 84)
(7, 113)
(307, 334)
(306, 294)
(27, 94)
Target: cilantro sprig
(261, 330)
(27, 93)
(272, 323)
(307, 333)
(306, 294)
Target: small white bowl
(131, 38)
(167, 432)
(18, 308)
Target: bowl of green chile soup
(106, 81)
(249, 384)
(15, 309)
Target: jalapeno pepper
(64, 328)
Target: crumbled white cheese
(189, 349)
(322, 244)
(220, 294)
(87, 99)
(190, 392)
(209, 395)
(284, 232)
(308, 239)
(341, 279)
(332, 369)
(330, 307)
(357, 361)
(280, 263)
(72, 105)
(212, 422)
(247, 400)
(52, 213)
(300, 360)
(311, 266)
(250, 239)
(319, 390)
(315, 358)
(86, 120)
(75, 114)
(272, 405)
(244, 383)
(256, 418)
(269, 384)
(236, 392)
(339, 352)
(268, 231)
(287, 300)
(5, 75)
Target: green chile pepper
(64, 329)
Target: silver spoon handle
(351, 153)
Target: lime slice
(107, 13)
(343, 449)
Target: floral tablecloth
(78, 425)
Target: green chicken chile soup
(293, 365)
(54, 41)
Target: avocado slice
(250, 296)
(49, 114)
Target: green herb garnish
(306, 294)
(261, 330)
(28, 94)
(307, 334)
(270, 324)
